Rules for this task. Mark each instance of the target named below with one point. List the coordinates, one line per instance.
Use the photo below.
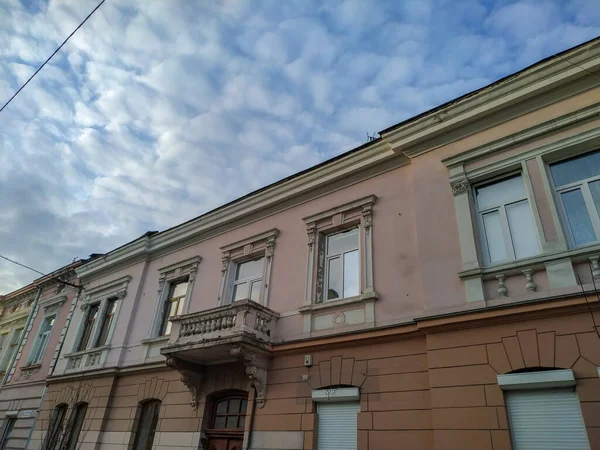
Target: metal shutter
(337, 426)
(546, 419)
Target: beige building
(432, 289)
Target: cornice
(540, 78)
(271, 234)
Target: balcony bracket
(256, 370)
(191, 375)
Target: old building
(432, 289)
(32, 326)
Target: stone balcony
(238, 332)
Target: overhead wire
(58, 280)
(52, 55)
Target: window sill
(514, 267)
(31, 366)
(86, 351)
(369, 296)
(156, 340)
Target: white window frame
(172, 273)
(6, 354)
(328, 258)
(501, 208)
(41, 342)
(254, 247)
(582, 185)
(250, 280)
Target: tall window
(173, 305)
(577, 183)
(3, 340)
(342, 265)
(11, 351)
(75, 426)
(230, 413)
(88, 326)
(107, 320)
(56, 426)
(248, 279)
(41, 342)
(146, 428)
(9, 424)
(506, 221)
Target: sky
(157, 111)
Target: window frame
(501, 208)
(154, 405)
(583, 186)
(12, 349)
(76, 418)
(40, 345)
(239, 415)
(328, 258)
(82, 345)
(252, 248)
(164, 329)
(106, 322)
(7, 428)
(55, 429)
(249, 280)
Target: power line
(37, 271)
(50, 57)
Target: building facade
(435, 288)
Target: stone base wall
(22, 403)
(428, 388)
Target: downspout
(246, 445)
(22, 337)
(60, 346)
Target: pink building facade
(434, 288)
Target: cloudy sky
(158, 111)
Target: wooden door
(225, 443)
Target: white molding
(332, 304)
(523, 136)
(106, 289)
(536, 380)
(346, 207)
(331, 395)
(196, 260)
(252, 240)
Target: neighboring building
(32, 326)
(432, 289)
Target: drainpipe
(60, 346)
(22, 337)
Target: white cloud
(156, 111)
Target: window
(247, 283)
(230, 413)
(107, 320)
(11, 351)
(146, 428)
(3, 338)
(342, 265)
(338, 425)
(88, 326)
(173, 305)
(9, 424)
(506, 221)
(39, 347)
(577, 184)
(75, 426)
(56, 425)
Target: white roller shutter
(337, 426)
(546, 419)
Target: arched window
(75, 426)
(146, 426)
(56, 427)
(230, 413)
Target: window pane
(220, 422)
(234, 406)
(500, 192)
(242, 422)
(255, 290)
(351, 274)
(231, 422)
(250, 269)
(334, 281)
(240, 291)
(222, 407)
(522, 230)
(147, 426)
(244, 406)
(595, 190)
(342, 242)
(578, 218)
(75, 426)
(179, 289)
(576, 169)
(494, 237)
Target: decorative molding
(460, 187)
(346, 207)
(191, 375)
(502, 289)
(332, 304)
(529, 283)
(252, 240)
(256, 370)
(111, 288)
(594, 260)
